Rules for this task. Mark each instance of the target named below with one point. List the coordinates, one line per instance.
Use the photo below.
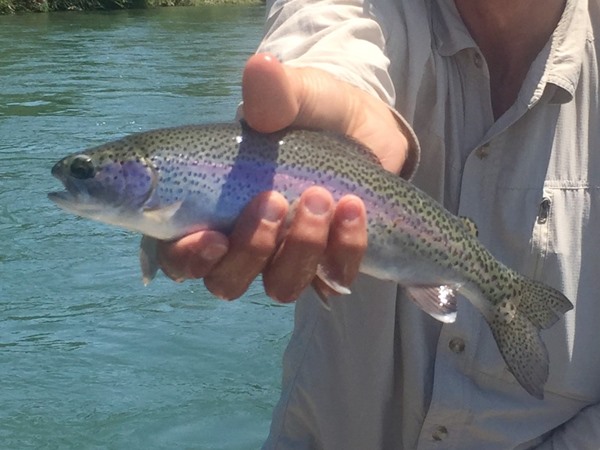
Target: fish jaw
(158, 223)
(86, 207)
(76, 204)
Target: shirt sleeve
(345, 39)
(582, 431)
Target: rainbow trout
(171, 182)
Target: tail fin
(517, 331)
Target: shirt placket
(449, 414)
(449, 409)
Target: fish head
(107, 183)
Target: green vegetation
(11, 6)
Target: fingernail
(213, 252)
(317, 205)
(352, 211)
(271, 210)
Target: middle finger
(294, 265)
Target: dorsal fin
(470, 226)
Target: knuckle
(307, 241)
(349, 237)
(260, 247)
(259, 242)
(196, 271)
(284, 284)
(355, 247)
(224, 290)
(166, 253)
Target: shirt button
(483, 151)
(478, 60)
(440, 433)
(457, 345)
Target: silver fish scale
(235, 163)
(400, 216)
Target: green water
(89, 358)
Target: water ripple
(90, 357)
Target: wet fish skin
(170, 182)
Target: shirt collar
(449, 31)
(567, 49)
(558, 64)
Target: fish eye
(82, 167)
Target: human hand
(321, 232)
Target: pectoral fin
(162, 214)
(437, 301)
(148, 259)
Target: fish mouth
(75, 204)
(75, 198)
(64, 199)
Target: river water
(89, 357)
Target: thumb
(276, 96)
(270, 101)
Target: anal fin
(326, 277)
(437, 301)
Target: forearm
(347, 41)
(342, 39)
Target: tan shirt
(378, 373)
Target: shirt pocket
(566, 240)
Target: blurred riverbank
(13, 6)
